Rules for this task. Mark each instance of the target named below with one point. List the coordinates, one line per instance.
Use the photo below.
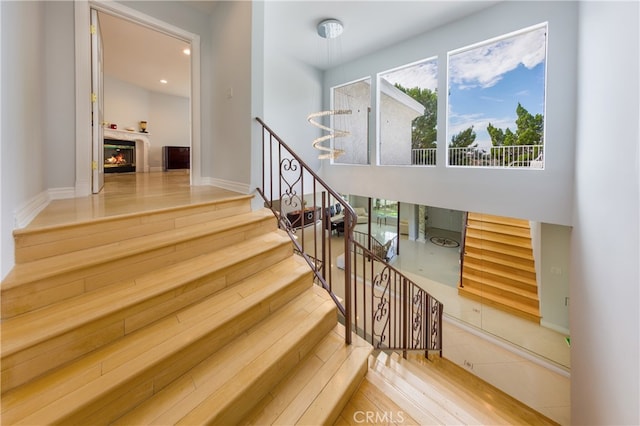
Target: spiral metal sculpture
(330, 152)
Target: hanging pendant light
(328, 29)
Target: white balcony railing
(517, 156)
(423, 156)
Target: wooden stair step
(147, 360)
(490, 404)
(438, 398)
(512, 221)
(516, 277)
(490, 289)
(227, 385)
(317, 390)
(478, 245)
(370, 404)
(488, 285)
(510, 240)
(100, 317)
(40, 242)
(35, 284)
(505, 261)
(499, 228)
(520, 309)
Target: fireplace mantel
(142, 145)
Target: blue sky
(486, 82)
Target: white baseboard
(555, 327)
(242, 188)
(25, 214)
(61, 193)
(29, 210)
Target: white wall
(59, 101)
(540, 195)
(167, 116)
(553, 265)
(23, 139)
(604, 314)
(231, 94)
(292, 90)
(125, 104)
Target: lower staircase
(498, 266)
(435, 391)
(189, 315)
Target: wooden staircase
(498, 266)
(188, 315)
(436, 391)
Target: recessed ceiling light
(187, 51)
(163, 81)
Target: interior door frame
(82, 15)
(97, 105)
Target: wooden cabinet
(306, 217)
(175, 157)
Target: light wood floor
(126, 193)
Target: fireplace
(119, 156)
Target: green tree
(424, 133)
(529, 131)
(463, 139)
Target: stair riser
(499, 228)
(479, 245)
(37, 244)
(511, 221)
(256, 388)
(491, 268)
(165, 369)
(489, 290)
(520, 283)
(499, 259)
(33, 361)
(43, 292)
(500, 306)
(335, 396)
(492, 237)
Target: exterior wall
(358, 100)
(395, 131)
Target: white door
(97, 105)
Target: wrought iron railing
(375, 300)
(384, 251)
(391, 311)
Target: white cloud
(424, 76)
(460, 122)
(485, 65)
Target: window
(496, 102)
(354, 97)
(408, 106)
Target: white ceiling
(143, 56)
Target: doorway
(84, 151)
